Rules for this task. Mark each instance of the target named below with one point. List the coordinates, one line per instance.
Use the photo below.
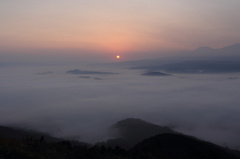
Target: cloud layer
(201, 105)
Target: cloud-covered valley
(206, 106)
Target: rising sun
(118, 57)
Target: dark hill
(134, 128)
(132, 131)
(177, 146)
(16, 133)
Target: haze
(59, 69)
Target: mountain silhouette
(203, 49)
(203, 60)
(234, 47)
(230, 51)
(131, 131)
(177, 146)
(142, 139)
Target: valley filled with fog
(83, 106)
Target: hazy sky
(131, 28)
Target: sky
(99, 30)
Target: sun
(118, 57)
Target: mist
(47, 99)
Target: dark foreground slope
(163, 146)
(177, 146)
(30, 148)
(14, 133)
(167, 144)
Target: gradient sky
(123, 27)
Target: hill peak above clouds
(131, 131)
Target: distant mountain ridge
(229, 53)
(231, 50)
(201, 49)
(235, 46)
(196, 66)
(202, 60)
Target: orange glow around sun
(118, 57)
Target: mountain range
(135, 139)
(201, 60)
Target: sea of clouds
(46, 98)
